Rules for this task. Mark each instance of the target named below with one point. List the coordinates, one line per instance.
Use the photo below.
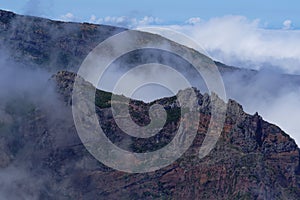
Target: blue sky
(271, 13)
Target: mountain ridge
(42, 156)
(243, 135)
(7, 18)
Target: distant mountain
(42, 157)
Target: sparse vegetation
(102, 99)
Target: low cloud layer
(123, 21)
(273, 96)
(28, 98)
(235, 40)
(238, 41)
(193, 20)
(68, 17)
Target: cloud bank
(123, 21)
(235, 40)
(238, 41)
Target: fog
(232, 40)
(240, 42)
(154, 82)
(237, 41)
(274, 96)
(30, 110)
(269, 91)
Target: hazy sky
(272, 13)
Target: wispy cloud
(37, 7)
(124, 21)
(287, 24)
(68, 17)
(130, 22)
(193, 20)
(236, 40)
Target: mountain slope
(42, 157)
(47, 43)
(253, 159)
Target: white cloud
(238, 41)
(116, 20)
(284, 111)
(193, 20)
(287, 24)
(148, 20)
(274, 97)
(235, 40)
(68, 17)
(93, 19)
(125, 21)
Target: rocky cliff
(42, 156)
(253, 159)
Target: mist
(238, 41)
(27, 91)
(248, 44)
(274, 96)
(30, 110)
(139, 68)
(270, 91)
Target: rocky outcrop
(253, 159)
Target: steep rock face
(252, 159)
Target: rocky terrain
(42, 156)
(253, 159)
